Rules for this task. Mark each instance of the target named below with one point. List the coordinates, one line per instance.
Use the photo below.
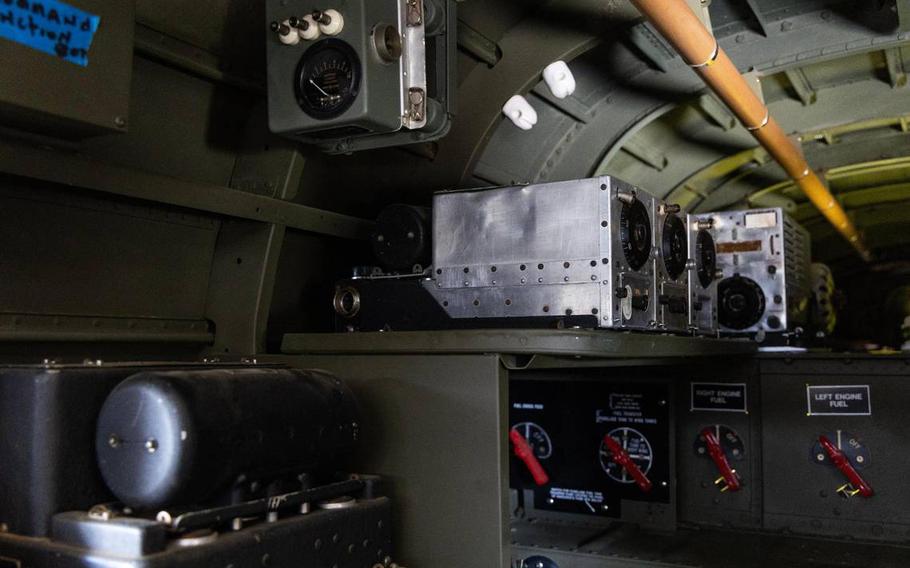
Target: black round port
(387, 42)
(741, 302)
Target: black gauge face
(705, 258)
(853, 448)
(635, 233)
(537, 438)
(729, 440)
(328, 79)
(674, 247)
(741, 302)
(638, 448)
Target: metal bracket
(716, 111)
(652, 45)
(897, 70)
(414, 65)
(478, 45)
(646, 153)
(414, 13)
(801, 85)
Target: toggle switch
(286, 33)
(838, 456)
(330, 21)
(523, 451)
(729, 480)
(306, 27)
(622, 457)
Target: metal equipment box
(702, 274)
(764, 255)
(556, 249)
(49, 95)
(360, 74)
(671, 261)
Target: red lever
(841, 462)
(727, 475)
(523, 451)
(621, 456)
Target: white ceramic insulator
(312, 32)
(335, 26)
(291, 38)
(520, 112)
(559, 78)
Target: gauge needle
(312, 82)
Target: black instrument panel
(565, 423)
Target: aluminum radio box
(765, 258)
(546, 250)
(671, 268)
(702, 274)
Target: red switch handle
(523, 451)
(716, 452)
(841, 462)
(621, 456)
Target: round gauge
(673, 246)
(854, 449)
(741, 302)
(638, 448)
(635, 233)
(537, 438)
(328, 79)
(732, 444)
(705, 258)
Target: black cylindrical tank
(169, 438)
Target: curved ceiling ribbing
(834, 53)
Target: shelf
(557, 343)
(625, 546)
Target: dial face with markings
(733, 446)
(674, 248)
(635, 233)
(705, 258)
(638, 448)
(328, 79)
(856, 451)
(537, 438)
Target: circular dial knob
(635, 233)
(741, 302)
(729, 440)
(705, 258)
(328, 79)
(537, 438)
(856, 452)
(674, 248)
(638, 448)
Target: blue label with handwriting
(53, 27)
